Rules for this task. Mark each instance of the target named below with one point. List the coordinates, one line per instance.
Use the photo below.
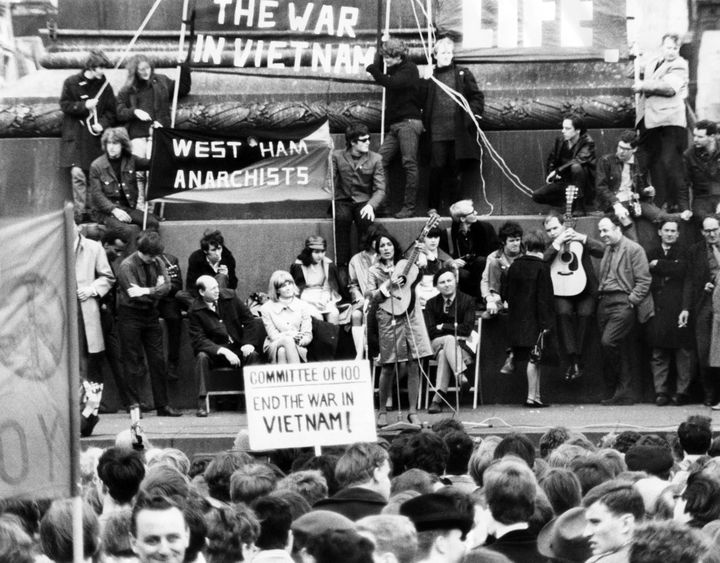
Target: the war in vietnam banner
(255, 166)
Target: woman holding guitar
(402, 333)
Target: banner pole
(331, 171)
(183, 29)
(73, 353)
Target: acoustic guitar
(402, 297)
(568, 275)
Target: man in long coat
(94, 279)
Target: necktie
(446, 308)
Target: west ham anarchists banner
(256, 166)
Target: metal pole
(183, 29)
(73, 353)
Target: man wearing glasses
(469, 241)
(700, 282)
(622, 188)
(359, 185)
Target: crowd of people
(435, 495)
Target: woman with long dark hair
(402, 335)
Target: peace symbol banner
(35, 429)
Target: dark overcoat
(529, 293)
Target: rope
(480, 137)
(93, 114)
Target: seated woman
(358, 275)
(449, 317)
(317, 278)
(430, 260)
(287, 321)
(402, 334)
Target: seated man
(211, 259)
(571, 163)
(622, 187)
(113, 185)
(468, 241)
(498, 263)
(449, 317)
(223, 333)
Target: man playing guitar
(573, 311)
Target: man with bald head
(223, 333)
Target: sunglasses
(283, 284)
(363, 139)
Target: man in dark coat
(667, 336)
(113, 185)
(454, 149)
(703, 268)
(363, 472)
(223, 333)
(510, 489)
(573, 311)
(403, 115)
(85, 116)
(450, 318)
(468, 241)
(571, 162)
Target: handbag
(538, 352)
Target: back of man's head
(56, 531)
(695, 434)
(667, 541)
(220, 469)
(516, 444)
(309, 483)
(460, 447)
(427, 451)
(391, 533)
(251, 481)
(510, 489)
(121, 470)
(591, 471)
(275, 521)
(357, 464)
(620, 497)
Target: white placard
(313, 404)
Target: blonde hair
(443, 42)
(277, 278)
(462, 207)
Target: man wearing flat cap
(442, 527)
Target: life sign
(314, 404)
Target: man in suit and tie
(623, 300)
(223, 333)
(702, 275)
(660, 117)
